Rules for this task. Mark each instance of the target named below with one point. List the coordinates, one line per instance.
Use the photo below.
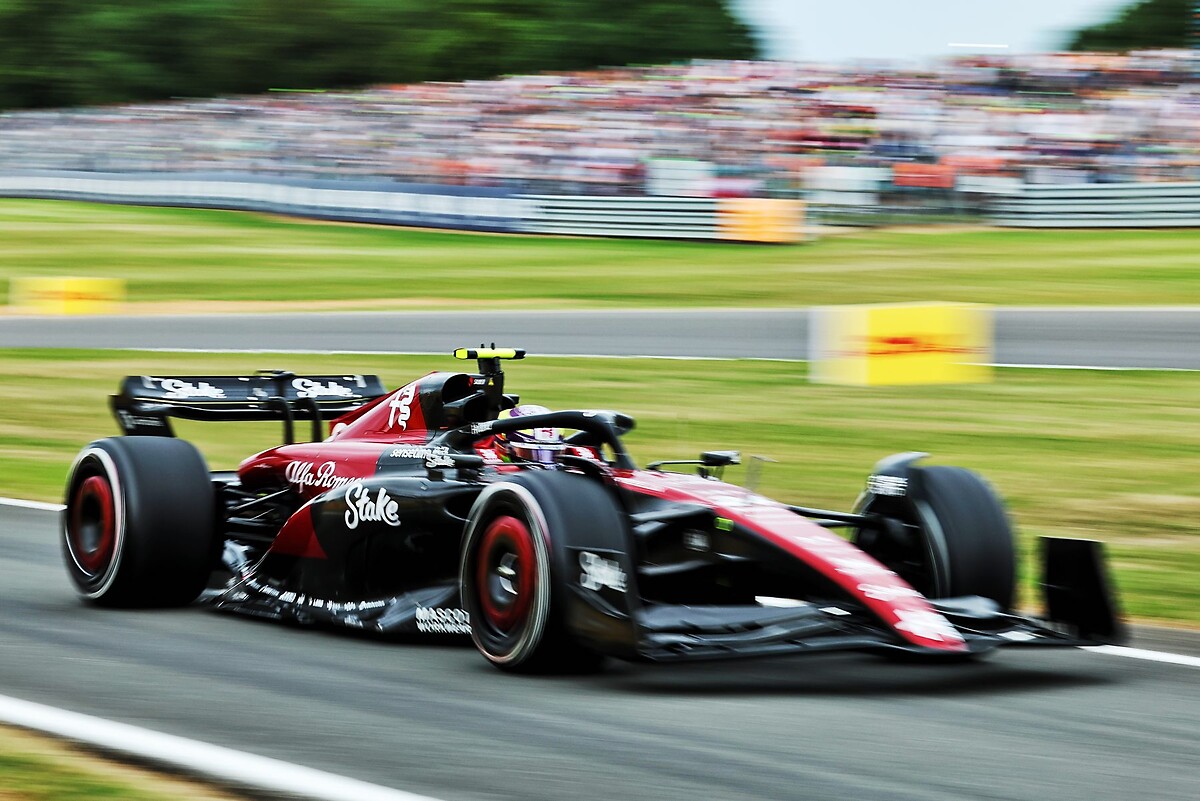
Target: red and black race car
(444, 507)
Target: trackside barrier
(1002, 201)
(586, 215)
(874, 195)
(732, 219)
(1127, 205)
(429, 206)
(751, 219)
(377, 201)
(66, 295)
(906, 343)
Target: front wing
(1081, 610)
(674, 633)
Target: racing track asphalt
(1103, 337)
(435, 719)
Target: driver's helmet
(540, 445)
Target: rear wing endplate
(144, 404)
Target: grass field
(240, 260)
(1109, 455)
(36, 768)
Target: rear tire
(507, 569)
(138, 528)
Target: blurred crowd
(1054, 118)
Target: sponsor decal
(438, 456)
(893, 486)
(349, 610)
(400, 407)
(307, 388)
(600, 572)
(882, 592)
(303, 474)
(436, 620)
(177, 389)
(490, 456)
(546, 434)
(695, 540)
(740, 501)
(915, 343)
(481, 428)
(362, 508)
(861, 567)
(129, 420)
(926, 625)
(813, 542)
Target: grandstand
(1054, 118)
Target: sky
(912, 30)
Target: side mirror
(720, 458)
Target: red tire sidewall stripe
(513, 535)
(96, 561)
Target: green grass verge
(1110, 455)
(191, 255)
(36, 768)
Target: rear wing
(144, 404)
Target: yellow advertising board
(756, 219)
(903, 343)
(66, 295)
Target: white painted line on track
(1138, 653)
(212, 761)
(318, 352)
(39, 505)
(443, 354)
(1101, 368)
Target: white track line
(39, 505)
(1138, 653)
(1098, 367)
(318, 352)
(212, 761)
(442, 353)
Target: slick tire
(969, 536)
(138, 528)
(507, 569)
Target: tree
(1142, 25)
(79, 52)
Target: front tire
(138, 525)
(507, 574)
(979, 553)
(959, 541)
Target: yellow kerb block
(67, 295)
(752, 219)
(909, 343)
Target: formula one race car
(445, 507)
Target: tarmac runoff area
(1067, 338)
(324, 716)
(1057, 337)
